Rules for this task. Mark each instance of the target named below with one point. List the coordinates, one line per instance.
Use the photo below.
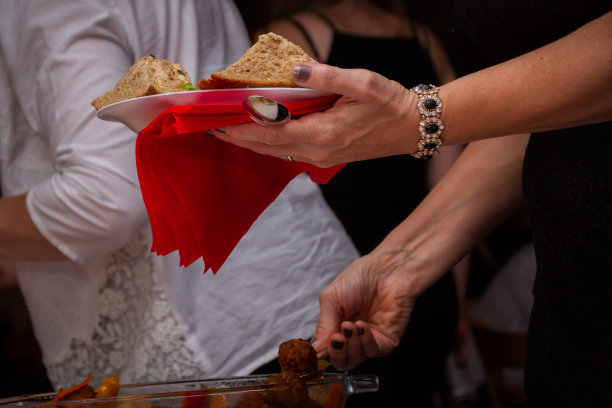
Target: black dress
(567, 182)
(371, 198)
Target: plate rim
(220, 90)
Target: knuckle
(369, 85)
(371, 80)
(321, 159)
(325, 294)
(270, 137)
(330, 77)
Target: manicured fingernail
(313, 341)
(347, 333)
(337, 345)
(360, 331)
(210, 133)
(221, 130)
(301, 73)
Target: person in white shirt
(73, 219)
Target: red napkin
(202, 194)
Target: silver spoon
(262, 110)
(266, 111)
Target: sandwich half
(148, 76)
(268, 63)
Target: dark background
(439, 15)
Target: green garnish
(180, 72)
(188, 87)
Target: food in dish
(148, 76)
(297, 356)
(298, 361)
(268, 63)
(287, 389)
(109, 387)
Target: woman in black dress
(560, 94)
(371, 197)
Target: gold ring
(288, 158)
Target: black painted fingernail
(337, 345)
(221, 130)
(360, 331)
(301, 73)
(313, 341)
(347, 333)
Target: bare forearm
(19, 237)
(564, 84)
(481, 190)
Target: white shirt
(116, 308)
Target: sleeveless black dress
(567, 182)
(371, 198)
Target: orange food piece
(218, 401)
(109, 387)
(322, 364)
(335, 398)
(64, 393)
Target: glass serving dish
(329, 391)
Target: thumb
(328, 324)
(354, 83)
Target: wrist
(412, 121)
(426, 245)
(414, 268)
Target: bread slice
(268, 63)
(148, 76)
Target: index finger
(295, 131)
(354, 83)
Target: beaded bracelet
(431, 126)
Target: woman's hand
(365, 310)
(375, 117)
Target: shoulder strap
(306, 35)
(324, 18)
(422, 35)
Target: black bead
(430, 104)
(430, 146)
(431, 128)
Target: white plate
(137, 113)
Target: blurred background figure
(507, 300)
